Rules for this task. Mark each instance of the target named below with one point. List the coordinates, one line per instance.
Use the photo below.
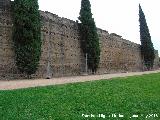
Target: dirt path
(17, 84)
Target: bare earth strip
(18, 84)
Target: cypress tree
(89, 36)
(26, 35)
(147, 49)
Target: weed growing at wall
(89, 36)
(26, 35)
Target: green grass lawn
(138, 95)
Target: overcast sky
(115, 16)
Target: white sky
(115, 16)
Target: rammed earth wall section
(61, 50)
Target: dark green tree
(89, 36)
(147, 49)
(26, 35)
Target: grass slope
(138, 95)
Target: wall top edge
(51, 16)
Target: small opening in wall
(7, 22)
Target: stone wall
(61, 46)
(118, 54)
(61, 50)
(6, 44)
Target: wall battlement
(61, 49)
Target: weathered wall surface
(118, 54)
(6, 44)
(61, 46)
(61, 50)
(156, 60)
